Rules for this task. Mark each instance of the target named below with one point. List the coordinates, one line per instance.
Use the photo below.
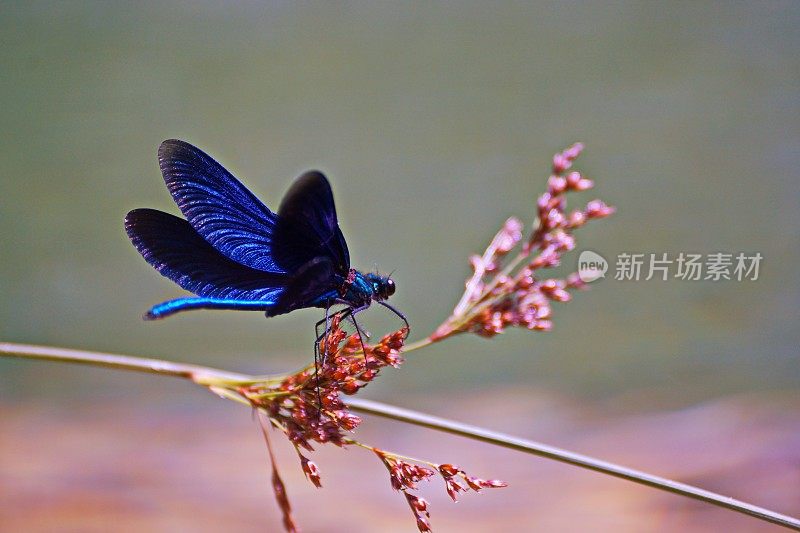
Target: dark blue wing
(175, 249)
(220, 208)
(307, 225)
(313, 285)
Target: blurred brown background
(434, 123)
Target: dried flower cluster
(307, 407)
(505, 292)
(404, 477)
(293, 404)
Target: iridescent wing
(307, 225)
(227, 215)
(176, 250)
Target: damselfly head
(382, 286)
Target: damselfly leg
(399, 314)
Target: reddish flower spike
(498, 295)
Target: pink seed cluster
(405, 476)
(294, 405)
(508, 291)
(308, 408)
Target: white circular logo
(591, 266)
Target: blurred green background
(435, 122)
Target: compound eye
(390, 287)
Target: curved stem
(118, 362)
(202, 375)
(416, 345)
(390, 454)
(543, 450)
(209, 376)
